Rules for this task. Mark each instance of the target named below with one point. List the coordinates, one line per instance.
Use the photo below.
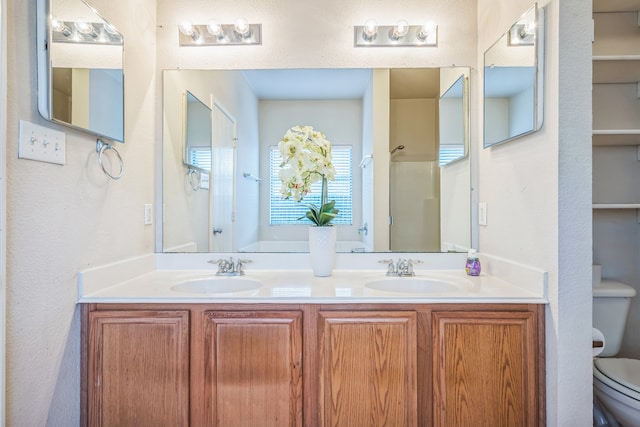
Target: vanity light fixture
(215, 34)
(83, 31)
(400, 34)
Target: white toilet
(616, 381)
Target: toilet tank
(611, 302)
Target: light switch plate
(148, 214)
(41, 143)
(482, 213)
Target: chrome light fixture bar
(81, 31)
(215, 34)
(401, 34)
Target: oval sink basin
(412, 285)
(216, 285)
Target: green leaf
(323, 215)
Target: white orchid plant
(306, 159)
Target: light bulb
(189, 30)
(186, 28)
(400, 29)
(85, 27)
(426, 31)
(370, 28)
(60, 27)
(242, 27)
(215, 29)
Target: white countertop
(299, 286)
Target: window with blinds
(288, 211)
(200, 157)
(449, 153)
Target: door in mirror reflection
(221, 197)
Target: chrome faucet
(228, 268)
(403, 268)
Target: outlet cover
(148, 214)
(41, 143)
(482, 213)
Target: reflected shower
(399, 147)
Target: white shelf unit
(616, 149)
(616, 104)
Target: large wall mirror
(392, 164)
(514, 80)
(80, 68)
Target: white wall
(63, 219)
(538, 192)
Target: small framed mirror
(196, 133)
(453, 108)
(514, 81)
(80, 68)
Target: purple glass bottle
(473, 267)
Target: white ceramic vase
(322, 249)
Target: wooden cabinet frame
(427, 348)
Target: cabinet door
(138, 368)
(253, 369)
(484, 369)
(367, 365)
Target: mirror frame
(539, 74)
(44, 37)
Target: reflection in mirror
(80, 69)
(197, 133)
(454, 128)
(341, 103)
(514, 80)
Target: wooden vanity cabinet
(252, 365)
(138, 368)
(488, 368)
(367, 368)
(447, 365)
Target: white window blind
(200, 157)
(288, 211)
(449, 153)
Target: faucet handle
(391, 270)
(405, 266)
(239, 265)
(223, 265)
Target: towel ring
(101, 147)
(194, 179)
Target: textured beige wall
(538, 192)
(63, 219)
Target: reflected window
(450, 153)
(200, 157)
(287, 212)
